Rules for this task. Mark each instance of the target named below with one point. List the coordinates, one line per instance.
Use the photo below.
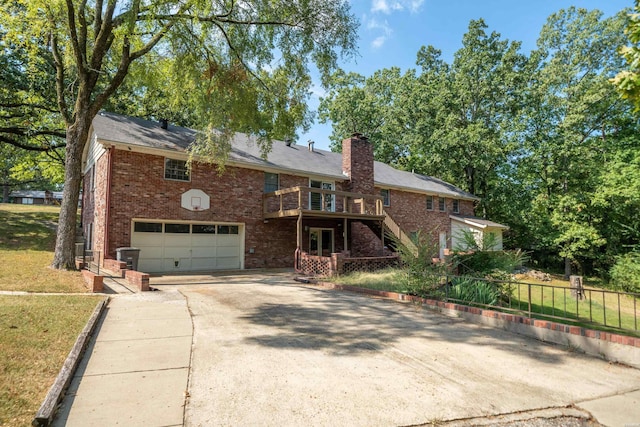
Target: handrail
(321, 190)
(347, 201)
(399, 233)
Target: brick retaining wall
(610, 346)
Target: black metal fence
(612, 309)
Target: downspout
(107, 202)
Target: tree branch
(97, 20)
(28, 147)
(28, 105)
(83, 30)
(59, 65)
(73, 36)
(103, 35)
(237, 55)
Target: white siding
(459, 228)
(93, 152)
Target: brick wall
(357, 164)
(409, 211)
(88, 202)
(94, 191)
(139, 190)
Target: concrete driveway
(270, 351)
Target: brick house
(257, 213)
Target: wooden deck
(319, 203)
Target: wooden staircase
(394, 231)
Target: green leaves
(234, 66)
(544, 139)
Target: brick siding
(139, 190)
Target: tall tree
(481, 92)
(246, 62)
(373, 106)
(628, 81)
(568, 123)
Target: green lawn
(599, 305)
(545, 301)
(36, 331)
(27, 239)
(36, 334)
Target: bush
(474, 291)
(482, 263)
(421, 276)
(625, 274)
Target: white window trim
(388, 196)
(333, 188)
(272, 173)
(432, 204)
(456, 206)
(174, 179)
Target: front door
(321, 241)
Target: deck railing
(290, 201)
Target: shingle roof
(115, 128)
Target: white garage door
(168, 246)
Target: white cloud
(378, 42)
(374, 24)
(388, 6)
(380, 6)
(377, 27)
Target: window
(430, 203)
(441, 204)
(385, 197)
(27, 200)
(147, 227)
(271, 182)
(227, 229)
(176, 228)
(315, 198)
(203, 229)
(176, 169)
(456, 206)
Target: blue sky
(392, 31)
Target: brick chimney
(357, 163)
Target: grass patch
(599, 310)
(383, 280)
(27, 241)
(599, 305)
(36, 334)
(36, 331)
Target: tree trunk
(567, 268)
(77, 134)
(6, 190)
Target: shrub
(625, 273)
(474, 291)
(421, 276)
(481, 263)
